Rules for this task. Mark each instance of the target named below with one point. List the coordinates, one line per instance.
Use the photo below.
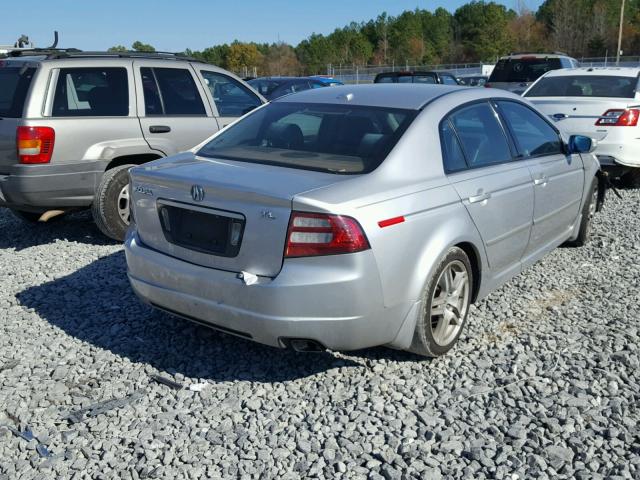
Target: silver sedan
(357, 216)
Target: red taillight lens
(487, 85)
(313, 234)
(35, 144)
(619, 118)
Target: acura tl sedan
(356, 216)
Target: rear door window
(481, 135)
(14, 85)
(232, 99)
(170, 91)
(523, 69)
(534, 137)
(91, 92)
(585, 86)
(448, 80)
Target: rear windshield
(340, 139)
(585, 86)
(419, 78)
(14, 84)
(523, 69)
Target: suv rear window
(585, 86)
(342, 139)
(14, 84)
(91, 92)
(523, 69)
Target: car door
(173, 113)
(558, 177)
(496, 190)
(230, 97)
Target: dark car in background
(444, 78)
(473, 80)
(274, 87)
(516, 71)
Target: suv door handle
(481, 197)
(159, 129)
(541, 180)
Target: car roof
(534, 55)
(406, 96)
(602, 71)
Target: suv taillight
(35, 144)
(312, 234)
(619, 118)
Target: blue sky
(175, 25)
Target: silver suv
(72, 123)
(516, 71)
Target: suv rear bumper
(37, 187)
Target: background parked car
(274, 87)
(329, 81)
(80, 120)
(516, 71)
(358, 215)
(444, 78)
(601, 103)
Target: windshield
(264, 87)
(342, 139)
(14, 84)
(523, 69)
(585, 86)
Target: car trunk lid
(578, 115)
(221, 214)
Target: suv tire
(110, 207)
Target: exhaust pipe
(303, 345)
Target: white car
(602, 103)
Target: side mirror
(581, 144)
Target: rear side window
(14, 85)
(533, 135)
(424, 79)
(453, 157)
(342, 139)
(384, 79)
(170, 91)
(232, 99)
(448, 80)
(91, 92)
(585, 86)
(483, 140)
(523, 69)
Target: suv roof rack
(59, 53)
(538, 53)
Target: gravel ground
(544, 383)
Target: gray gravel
(544, 383)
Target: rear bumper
(333, 300)
(626, 154)
(37, 187)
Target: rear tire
(588, 211)
(110, 207)
(445, 305)
(29, 217)
(631, 179)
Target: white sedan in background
(602, 103)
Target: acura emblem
(197, 193)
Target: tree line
(478, 31)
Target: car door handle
(159, 128)
(480, 197)
(540, 180)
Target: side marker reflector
(390, 221)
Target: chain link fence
(366, 74)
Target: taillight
(35, 144)
(619, 118)
(487, 85)
(311, 234)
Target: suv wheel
(445, 305)
(110, 207)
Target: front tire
(110, 207)
(445, 305)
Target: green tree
(138, 46)
(117, 48)
(482, 29)
(243, 56)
